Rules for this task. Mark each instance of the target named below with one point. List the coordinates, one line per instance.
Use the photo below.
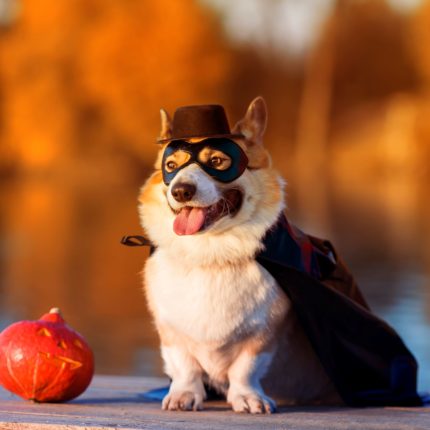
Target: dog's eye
(171, 165)
(214, 158)
(216, 162)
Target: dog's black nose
(183, 192)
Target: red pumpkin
(45, 360)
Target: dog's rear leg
(245, 393)
(186, 391)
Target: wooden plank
(118, 402)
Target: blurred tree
(420, 42)
(373, 59)
(88, 76)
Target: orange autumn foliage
(87, 77)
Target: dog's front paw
(182, 401)
(253, 404)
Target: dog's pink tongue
(189, 221)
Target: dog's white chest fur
(210, 304)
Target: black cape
(364, 357)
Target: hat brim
(212, 136)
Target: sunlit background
(347, 84)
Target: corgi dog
(222, 320)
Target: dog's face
(201, 178)
(212, 187)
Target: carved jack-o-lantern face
(53, 343)
(45, 360)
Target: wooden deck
(117, 402)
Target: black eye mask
(238, 158)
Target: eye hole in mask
(176, 160)
(214, 158)
(223, 159)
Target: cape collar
(283, 244)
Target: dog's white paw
(253, 404)
(182, 401)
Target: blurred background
(347, 84)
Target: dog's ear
(253, 124)
(166, 125)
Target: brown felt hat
(201, 121)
